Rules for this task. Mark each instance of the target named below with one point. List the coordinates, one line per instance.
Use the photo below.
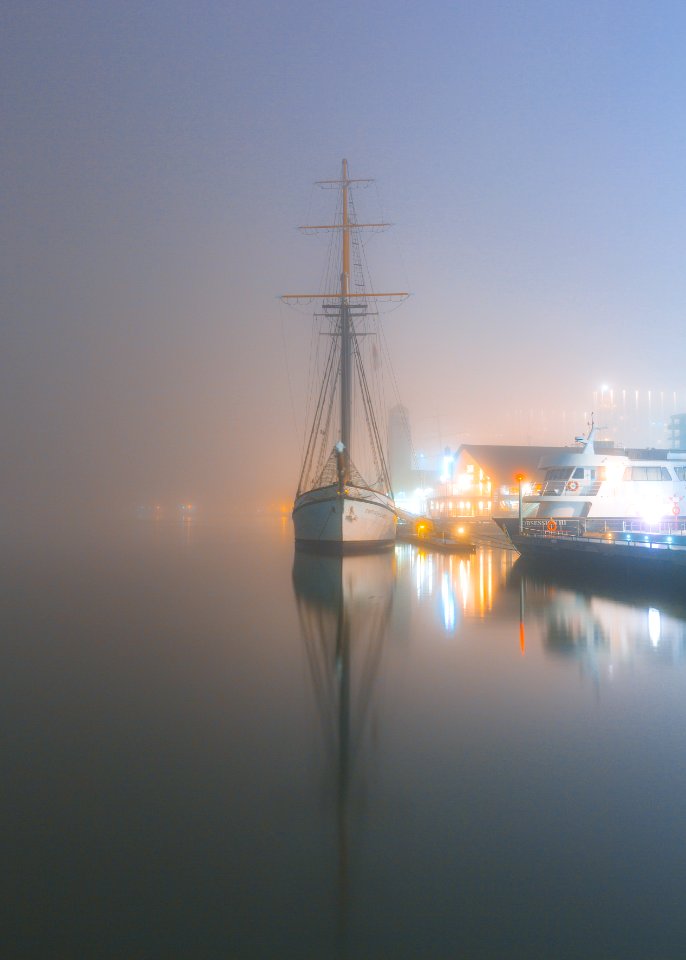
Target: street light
(519, 477)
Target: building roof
(501, 463)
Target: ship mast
(347, 305)
(346, 353)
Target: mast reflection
(344, 605)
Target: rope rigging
(347, 380)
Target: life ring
(551, 525)
(572, 485)
(676, 510)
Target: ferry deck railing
(662, 533)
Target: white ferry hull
(360, 518)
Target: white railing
(668, 532)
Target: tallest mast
(345, 275)
(342, 305)
(346, 352)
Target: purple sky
(156, 159)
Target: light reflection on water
(245, 751)
(463, 585)
(347, 621)
(607, 632)
(601, 631)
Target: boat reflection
(604, 624)
(344, 605)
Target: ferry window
(560, 473)
(597, 473)
(578, 473)
(680, 472)
(646, 473)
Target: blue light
(448, 603)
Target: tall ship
(344, 498)
(621, 507)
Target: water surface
(215, 746)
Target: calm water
(216, 748)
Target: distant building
(677, 431)
(400, 449)
(480, 480)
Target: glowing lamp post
(519, 477)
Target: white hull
(358, 518)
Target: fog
(156, 161)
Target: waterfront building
(479, 480)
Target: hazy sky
(157, 157)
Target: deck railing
(667, 532)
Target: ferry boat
(338, 504)
(609, 504)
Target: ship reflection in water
(434, 728)
(606, 626)
(603, 624)
(409, 754)
(344, 605)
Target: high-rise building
(636, 417)
(400, 449)
(677, 431)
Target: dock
(432, 535)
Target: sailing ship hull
(358, 519)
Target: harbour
(249, 750)
(344, 481)
(428, 710)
